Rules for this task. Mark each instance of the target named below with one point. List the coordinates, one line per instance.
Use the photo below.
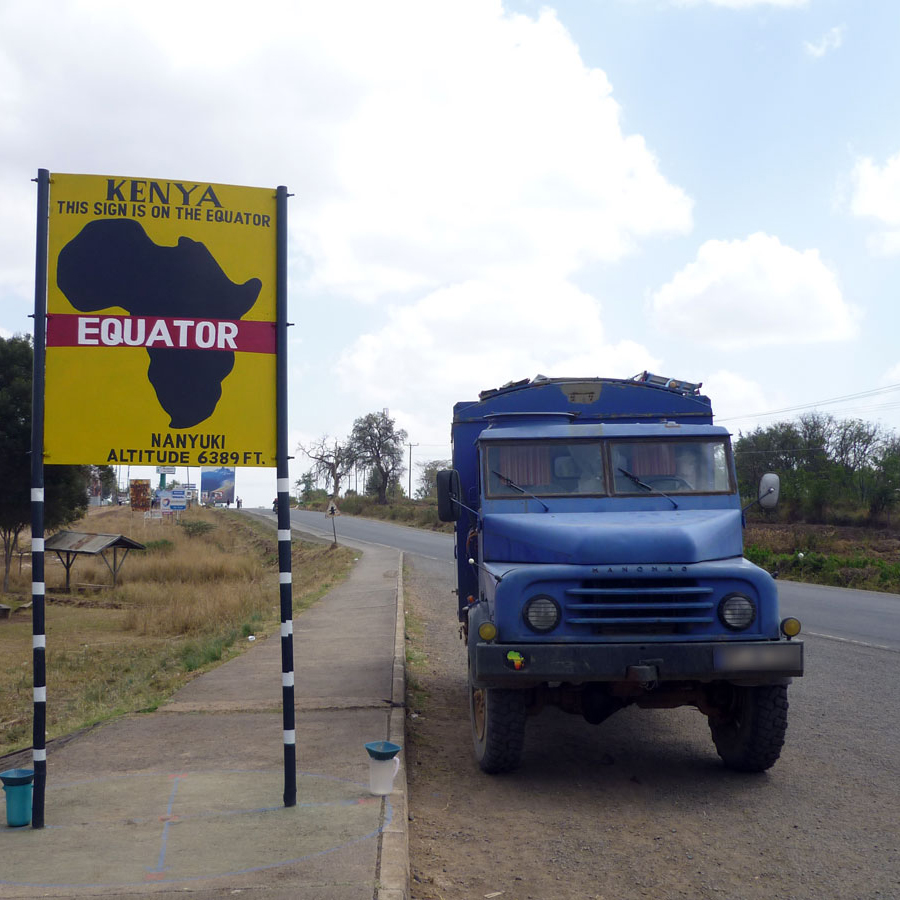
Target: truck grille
(639, 607)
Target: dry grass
(179, 608)
(842, 556)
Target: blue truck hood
(670, 536)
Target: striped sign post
(284, 510)
(38, 629)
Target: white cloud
(877, 189)
(877, 194)
(754, 292)
(451, 171)
(463, 339)
(884, 243)
(734, 395)
(831, 40)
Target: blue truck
(599, 554)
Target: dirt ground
(641, 805)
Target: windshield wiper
(646, 486)
(510, 483)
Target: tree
(103, 482)
(376, 443)
(828, 467)
(884, 477)
(332, 461)
(428, 477)
(305, 485)
(65, 487)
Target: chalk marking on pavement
(167, 821)
(843, 640)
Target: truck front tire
(749, 733)
(498, 727)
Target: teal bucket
(18, 784)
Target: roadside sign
(177, 274)
(139, 489)
(165, 470)
(332, 509)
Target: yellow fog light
(790, 627)
(487, 631)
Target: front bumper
(524, 665)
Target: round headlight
(487, 631)
(542, 613)
(737, 611)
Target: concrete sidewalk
(190, 797)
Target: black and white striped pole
(38, 630)
(284, 508)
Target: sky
(486, 191)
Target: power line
(874, 392)
(781, 452)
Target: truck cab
(600, 564)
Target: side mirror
(448, 491)
(769, 488)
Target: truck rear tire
(498, 727)
(750, 733)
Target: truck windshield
(544, 468)
(670, 466)
(601, 467)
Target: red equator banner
(178, 333)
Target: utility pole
(410, 469)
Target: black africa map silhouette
(113, 262)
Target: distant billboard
(217, 485)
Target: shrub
(194, 528)
(163, 545)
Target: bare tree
(333, 461)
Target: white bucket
(382, 773)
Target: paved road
(863, 617)
(433, 545)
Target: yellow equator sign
(161, 323)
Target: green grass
(197, 654)
(856, 571)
